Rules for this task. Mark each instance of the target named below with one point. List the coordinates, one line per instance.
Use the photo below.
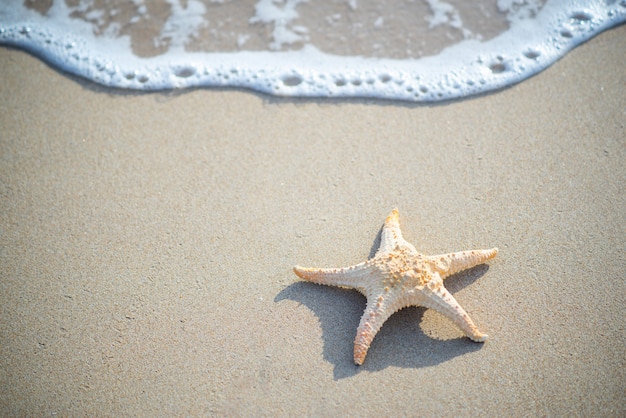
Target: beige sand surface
(147, 241)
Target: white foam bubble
(185, 22)
(445, 13)
(280, 16)
(469, 67)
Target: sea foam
(537, 37)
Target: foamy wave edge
(468, 68)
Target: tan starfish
(398, 276)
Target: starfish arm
(375, 315)
(448, 264)
(391, 236)
(443, 302)
(348, 276)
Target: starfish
(398, 276)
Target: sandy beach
(147, 244)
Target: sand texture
(147, 242)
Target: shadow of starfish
(400, 342)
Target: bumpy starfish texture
(398, 276)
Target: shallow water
(415, 50)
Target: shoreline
(460, 70)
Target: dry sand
(147, 241)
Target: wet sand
(147, 242)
